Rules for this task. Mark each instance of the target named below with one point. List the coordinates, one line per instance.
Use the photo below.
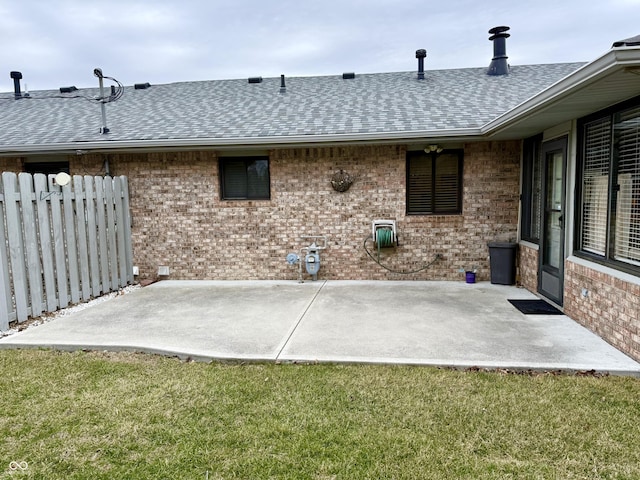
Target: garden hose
(384, 238)
(424, 267)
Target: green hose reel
(384, 233)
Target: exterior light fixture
(433, 148)
(60, 180)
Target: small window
(434, 182)
(244, 178)
(50, 167)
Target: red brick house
(226, 177)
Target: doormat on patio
(535, 307)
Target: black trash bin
(502, 260)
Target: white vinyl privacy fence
(61, 245)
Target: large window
(610, 186)
(244, 178)
(434, 182)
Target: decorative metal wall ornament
(341, 181)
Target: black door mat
(535, 307)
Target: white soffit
(610, 79)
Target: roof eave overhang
(457, 135)
(553, 97)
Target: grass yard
(129, 416)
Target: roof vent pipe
(499, 65)
(16, 83)
(420, 55)
(98, 73)
(283, 87)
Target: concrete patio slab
(198, 319)
(413, 322)
(444, 323)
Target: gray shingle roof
(235, 109)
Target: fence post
(30, 239)
(6, 302)
(81, 239)
(16, 245)
(111, 229)
(92, 234)
(102, 235)
(120, 230)
(59, 244)
(127, 228)
(42, 197)
(70, 236)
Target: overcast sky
(57, 43)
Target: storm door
(552, 239)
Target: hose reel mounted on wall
(384, 233)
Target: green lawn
(128, 416)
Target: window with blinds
(434, 182)
(610, 186)
(627, 141)
(244, 178)
(595, 185)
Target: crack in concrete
(296, 324)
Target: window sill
(629, 274)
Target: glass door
(551, 273)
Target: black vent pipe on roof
(499, 65)
(283, 87)
(629, 42)
(420, 55)
(16, 83)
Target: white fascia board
(213, 143)
(611, 61)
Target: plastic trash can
(502, 262)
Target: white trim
(625, 277)
(570, 197)
(581, 78)
(531, 245)
(562, 130)
(459, 134)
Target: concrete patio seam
(287, 338)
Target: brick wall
(528, 267)
(180, 221)
(610, 307)
(11, 164)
